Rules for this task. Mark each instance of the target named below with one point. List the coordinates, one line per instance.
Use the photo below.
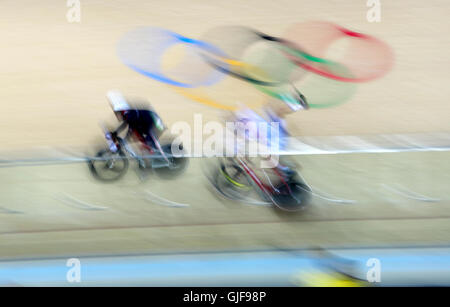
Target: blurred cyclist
(273, 118)
(143, 124)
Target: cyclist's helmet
(117, 101)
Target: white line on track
(410, 194)
(9, 211)
(325, 196)
(76, 203)
(347, 144)
(164, 202)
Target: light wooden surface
(61, 210)
(54, 75)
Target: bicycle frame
(123, 143)
(268, 190)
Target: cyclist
(273, 118)
(143, 124)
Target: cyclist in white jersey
(270, 128)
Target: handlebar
(113, 141)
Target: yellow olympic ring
(202, 98)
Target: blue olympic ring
(175, 38)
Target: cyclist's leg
(151, 139)
(138, 137)
(148, 140)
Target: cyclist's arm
(119, 129)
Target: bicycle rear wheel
(177, 164)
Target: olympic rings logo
(280, 67)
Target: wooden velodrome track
(54, 77)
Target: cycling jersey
(146, 124)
